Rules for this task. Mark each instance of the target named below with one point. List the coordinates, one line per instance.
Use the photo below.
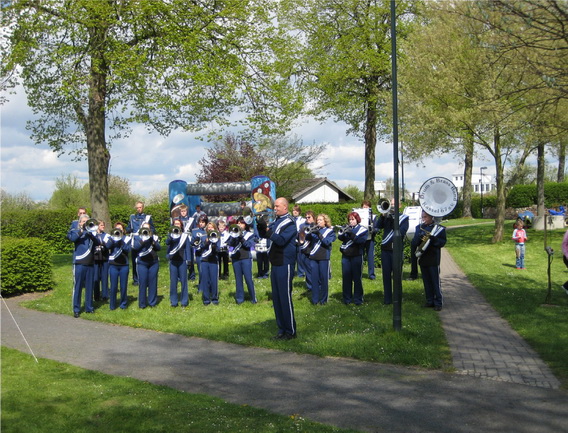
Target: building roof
(305, 186)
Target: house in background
(480, 182)
(318, 190)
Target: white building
(479, 184)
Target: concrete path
(346, 393)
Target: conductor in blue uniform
(282, 233)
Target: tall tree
(91, 68)
(343, 64)
(232, 159)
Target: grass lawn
(365, 332)
(51, 396)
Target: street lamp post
(481, 185)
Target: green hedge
(555, 194)
(26, 265)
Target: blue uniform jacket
(118, 253)
(432, 255)
(353, 241)
(386, 223)
(85, 242)
(179, 249)
(242, 246)
(136, 220)
(321, 243)
(283, 234)
(147, 250)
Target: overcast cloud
(150, 161)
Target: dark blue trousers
(320, 281)
(148, 283)
(118, 274)
(83, 276)
(178, 272)
(432, 285)
(281, 278)
(352, 273)
(243, 270)
(209, 284)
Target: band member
(75, 223)
(223, 250)
(353, 237)
(282, 232)
(104, 242)
(134, 223)
(429, 238)
(188, 223)
(385, 222)
(209, 269)
(321, 237)
(262, 262)
(300, 220)
(118, 265)
(369, 255)
(146, 244)
(83, 264)
(242, 241)
(178, 254)
(196, 234)
(305, 247)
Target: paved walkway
(482, 343)
(346, 393)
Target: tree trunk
(499, 178)
(370, 146)
(468, 166)
(561, 160)
(540, 179)
(98, 156)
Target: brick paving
(482, 343)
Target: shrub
(26, 265)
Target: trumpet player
(118, 265)
(321, 237)
(369, 254)
(146, 244)
(242, 241)
(385, 222)
(83, 264)
(134, 224)
(178, 254)
(196, 234)
(428, 239)
(353, 236)
(208, 251)
(223, 249)
(305, 247)
(104, 242)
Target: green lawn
(366, 332)
(51, 396)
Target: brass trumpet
(213, 236)
(425, 242)
(91, 225)
(344, 229)
(384, 206)
(235, 231)
(175, 231)
(311, 229)
(116, 234)
(145, 233)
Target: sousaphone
(438, 196)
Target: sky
(150, 162)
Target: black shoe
(278, 337)
(438, 308)
(426, 305)
(75, 315)
(565, 287)
(288, 337)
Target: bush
(26, 265)
(555, 194)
